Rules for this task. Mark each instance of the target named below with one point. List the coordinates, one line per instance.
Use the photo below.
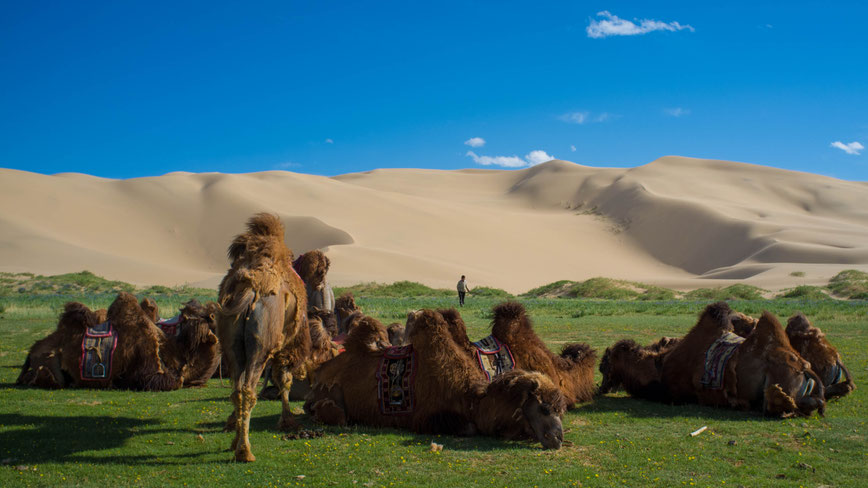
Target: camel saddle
(716, 357)
(97, 350)
(170, 327)
(395, 381)
(493, 357)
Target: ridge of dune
(678, 222)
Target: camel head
(312, 267)
(743, 325)
(625, 351)
(368, 335)
(396, 334)
(538, 405)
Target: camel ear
(212, 317)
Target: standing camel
(263, 316)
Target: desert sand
(677, 222)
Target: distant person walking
(462, 290)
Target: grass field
(91, 438)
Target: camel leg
(284, 381)
(244, 399)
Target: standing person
(462, 290)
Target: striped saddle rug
(395, 381)
(716, 357)
(97, 350)
(493, 356)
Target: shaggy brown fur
(312, 267)
(396, 334)
(811, 343)
(198, 341)
(144, 359)
(263, 316)
(764, 372)
(572, 371)
(636, 369)
(743, 325)
(449, 388)
(347, 312)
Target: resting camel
(811, 343)
(572, 371)
(636, 369)
(124, 349)
(263, 316)
(441, 391)
(347, 313)
(763, 372)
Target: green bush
(732, 292)
(488, 292)
(805, 292)
(544, 290)
(850, 283)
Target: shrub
(850, 283)
(804, 292)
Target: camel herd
(277, 317)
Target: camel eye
(546, 409)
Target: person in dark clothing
(462, 290)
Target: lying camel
(431, 386)
(763, 372)
(636, 369)
(123, 348)
(811, 343)
(572, 371)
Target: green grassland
(89, 438)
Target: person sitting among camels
(123, 348)
(431, 386)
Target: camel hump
(719, 312)
(798, 324)
(509, 310)
(125, 309)
(579, 353)
(769, 329)
(77, 316)
(265, 224)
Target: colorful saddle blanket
(493, 356)
(97, 350)
(172, 326)
(395, 381)
(716, 358)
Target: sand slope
(677, 222)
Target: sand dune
(677, 222)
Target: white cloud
(475, 142)
(851, 148)
(612, 25)
(329, 141)
(604, 117)
(572, 148)
(537, 157)
(575, 117)
(505, 161)
(531, 159)
(677, 111)
(286, 165)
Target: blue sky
(124, 89)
